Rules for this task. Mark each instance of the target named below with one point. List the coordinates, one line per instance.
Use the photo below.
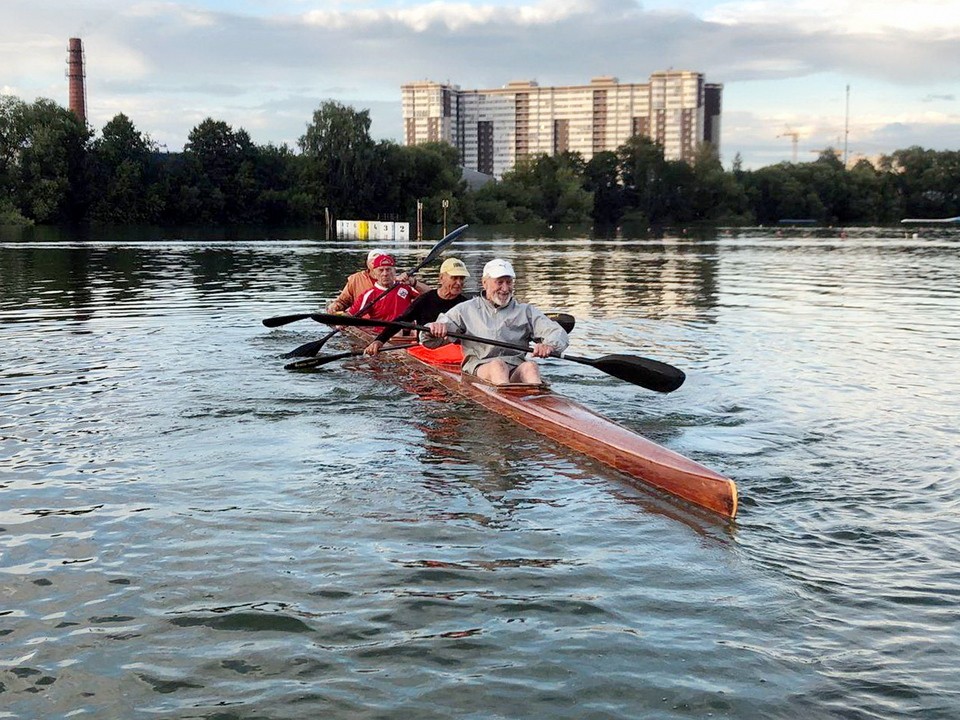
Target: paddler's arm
(437, 335)
(340, 303)
(347, 295)
(550, 338)
(408, 315)
(384, 336)
(411, 280)
(437, 329)
(450, 321)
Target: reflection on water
(189, 531)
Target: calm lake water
(189, 531)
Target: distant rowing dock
(931, 221)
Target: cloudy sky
(266, 65)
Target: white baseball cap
(376, 252)
(498, 267)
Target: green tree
(339, 153)
(10, 145)
(429, 172)
(558, 184)
(716, 196)
(279, 198)
(511, 199)
(776, 194)
(43, 160)
(676, 190)
(927, 181)
(219, 174)
(642, 169)
(827, 178)
(602, 178)
(121, 171)
(545, 187)
(864, 193)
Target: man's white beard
(500, 304)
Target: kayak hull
(579, 428)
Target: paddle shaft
(651, 374)
(324, 359)
(310, 349)
(564, 320)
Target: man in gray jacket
(496, 314)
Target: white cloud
(266, 66)
(455, 16)
(165, 10)
(937, 17)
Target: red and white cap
(384, 261)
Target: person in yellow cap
(427, 307)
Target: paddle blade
(351, 320)
(284, 319)
(651, 374)
(440, 246)
(313, 362)
(564, 320)
(307, 350)
(311, 348)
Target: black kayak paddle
(651, 374)
(562, 319)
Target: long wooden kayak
(571, 423)
(574, 425)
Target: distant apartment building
(493, 128)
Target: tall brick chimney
(78, 92)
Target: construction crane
(794, 138)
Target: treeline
(54, 170)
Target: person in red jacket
(362, 280)
(396, 297)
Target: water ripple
(189, 531)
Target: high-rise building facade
(493, 128)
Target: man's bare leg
(495, 372)
(526, 372)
